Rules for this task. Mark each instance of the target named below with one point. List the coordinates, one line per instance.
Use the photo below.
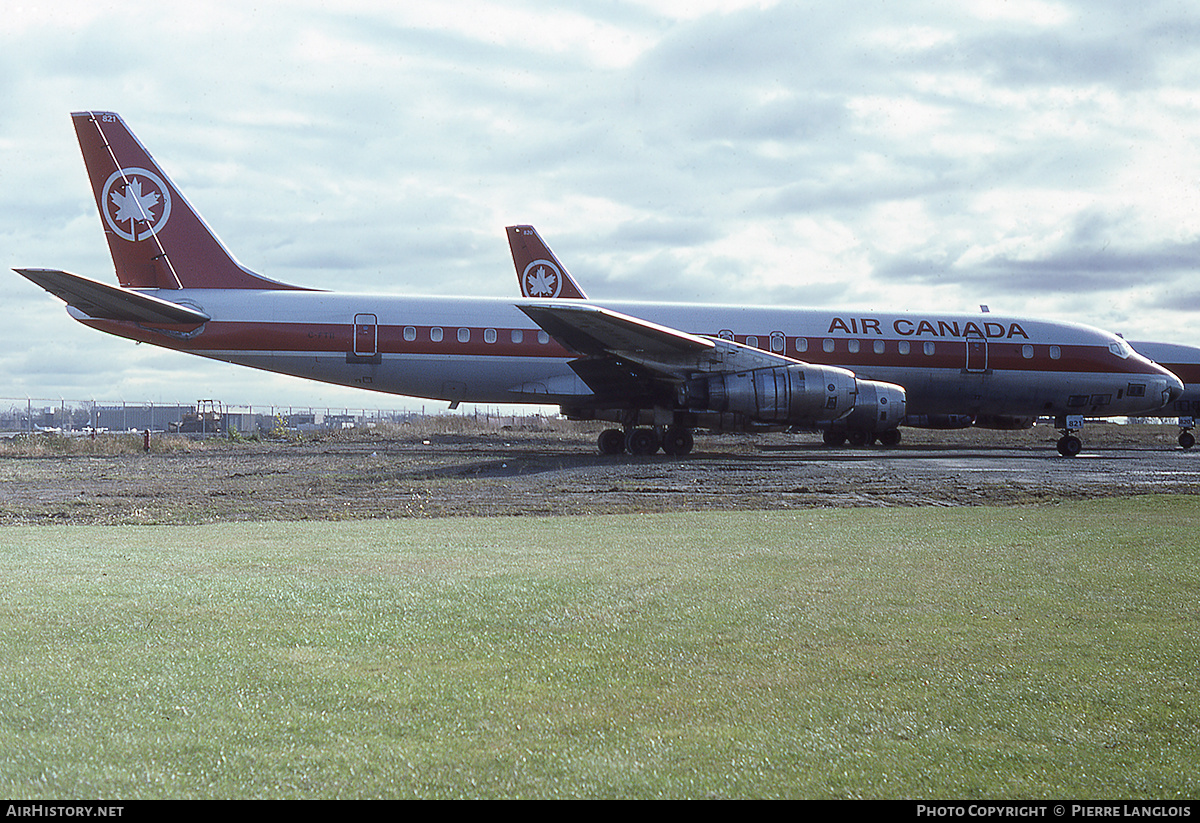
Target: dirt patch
(368, 475)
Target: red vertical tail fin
(538, 270)
(156, 238)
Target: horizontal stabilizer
(105, 302)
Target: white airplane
(957, 370)
(660, 370)
(1184, 362)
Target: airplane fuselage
(485, 350)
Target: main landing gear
(674, 440)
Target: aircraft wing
(601, 334)
(105, 302)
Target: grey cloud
(1072, 270)
(1185, 300)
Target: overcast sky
(1040, 157)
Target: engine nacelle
(796, 394)
(880, 406)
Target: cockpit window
(1120, 349)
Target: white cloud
(1024, 12)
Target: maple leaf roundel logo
(136, 203)
(542, 279)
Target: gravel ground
(373, 475)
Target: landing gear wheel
(678, 441)
(858, 438)
(1069, 445)
(890, 438)
(611, 441)
(642, 441)
(1186, 440)
(834, 438)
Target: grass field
(933, 653)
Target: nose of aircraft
(1173, 387)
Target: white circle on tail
(136, 203)
(542, 279)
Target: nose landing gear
(1069, 445)
(1186, 438)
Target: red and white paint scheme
(957, 370)
(661, 370)
(1183, 362)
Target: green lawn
(935, 653)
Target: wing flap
(105, 302)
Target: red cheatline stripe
(229, 336)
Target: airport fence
(210, 417)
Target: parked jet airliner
(1184, 362)
(660, 370)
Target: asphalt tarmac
(504, 473)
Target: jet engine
(880, 406)
(786, 394)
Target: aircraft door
(366, 335)
(976, 354)
(366, 340)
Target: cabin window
(517, 336)
(1136, 390)
(928, 348)
(801, 344)
(489, 335)
(1055, 353)
(725, 334)
(543, 338)
(464, 335)
(853, 346)
(1101, 399)
(777, 341)
(410, 333)
(1077, 400)
(435, 334)
(879, 347)
(752, 341)
(1027, 351)
(827, 345)
(905, 347)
